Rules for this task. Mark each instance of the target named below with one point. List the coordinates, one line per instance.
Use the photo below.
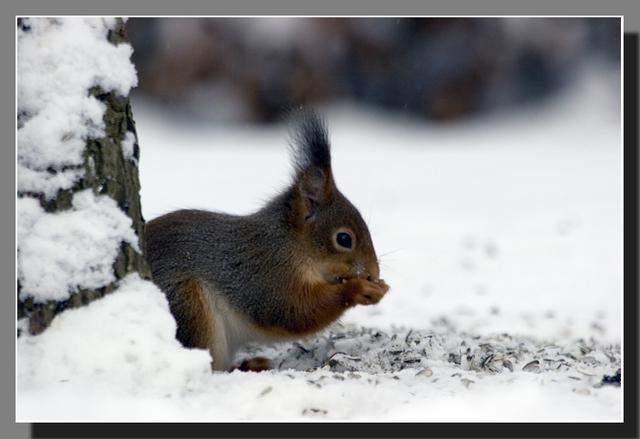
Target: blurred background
(443, 69)
(485, 154)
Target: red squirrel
(285, 271)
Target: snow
(128, 144)
(501, 239)
(335, 376)
(59, 60)
(123, 344)
(60, 253)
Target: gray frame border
(630, 9)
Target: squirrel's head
(330, 230)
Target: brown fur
(196, 325)
(319, 304)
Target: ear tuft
(313, 182)
(310, 141)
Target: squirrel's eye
(343, 239)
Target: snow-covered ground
(501, 239)
(508, 224)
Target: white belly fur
(231, 331)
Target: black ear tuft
(310, 142)
(313, 183)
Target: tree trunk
(107, 172)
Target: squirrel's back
(236, 255)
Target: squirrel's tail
(310, 141)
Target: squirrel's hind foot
(255, 364)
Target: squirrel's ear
(313, 189)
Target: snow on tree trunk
(79, 216)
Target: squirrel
(286, 271)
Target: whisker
(388, 268)
(390, 252)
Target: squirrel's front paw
(365, 292)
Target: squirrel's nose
(369, 271)
(374, 269)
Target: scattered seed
(426, 372)
(532, 366)
(584, 372)
(484, 362)
(615, 380)
(314, 410)
(506, 363)
(406, 339)
(265, 391)
(466, 382)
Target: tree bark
(107, 172)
